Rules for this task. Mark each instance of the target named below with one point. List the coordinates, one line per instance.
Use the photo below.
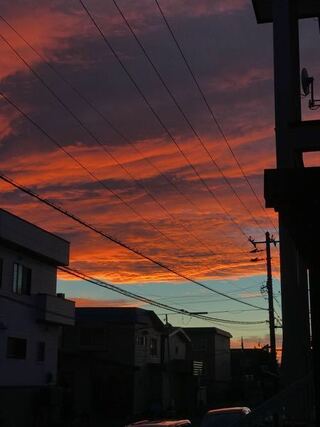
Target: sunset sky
(134, 184)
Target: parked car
(224, 417)
(161, 423)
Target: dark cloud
(223, 44)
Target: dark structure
(252, 376)
(291, 191)
(118, 362)
(211, 364)
(177, 380)
(31, 318)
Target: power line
(35, 306)
(65, 151)
(93, 136)
(209, 300)
(119, 242)
(98, 282)
(76, 160)
(184, 297)
(108, 122)
(81, 165)
(128, 294)
(156, 115)
(115, 129)
(213, 116)
(217, 312)
(176, 103)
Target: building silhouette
(31, 316)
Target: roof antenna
(308, 88)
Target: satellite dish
(306, 81)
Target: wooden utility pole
(272, 327)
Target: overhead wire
(220, 300)
(121, 135)
(118, 241)
(117, 289)
(82, 166)
(185, 117)
(102, 283)
(227, 320)
(78, 162)
(53, 140)
(92, 135)
(81, 123)
(35, 306)
(211, 112)
(160, 121)
(205, 296)
(219, 311)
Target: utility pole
(273, 349)
(292, 190)
(267, 242)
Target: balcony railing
(55, 309)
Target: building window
(21, 279)
(153, 347)
(141, 340)
(41, 351)
(16, 348)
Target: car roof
(233, 410)
(161, 423)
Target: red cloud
(51, 173)
(89, 302)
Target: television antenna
(308, 88)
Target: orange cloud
(196, 238)
(55, 29)
(89, 302)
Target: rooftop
(207, 330)
(17, 233)
(118, 315)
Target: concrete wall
(20, 322)
(43, 276)
(18, 317)
(55, 309)
(24, 234)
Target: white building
(31, 313)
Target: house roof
(181, 332)
(206, 330)
(118, 315)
